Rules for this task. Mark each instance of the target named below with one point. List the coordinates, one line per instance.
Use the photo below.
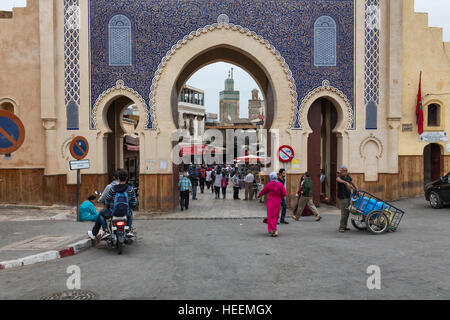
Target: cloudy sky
(439, 16)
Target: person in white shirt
(208, 178)
(218, 182)
(249, 179)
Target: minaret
(229, 101)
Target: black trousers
(236, 193)
(217, 190)
(224, 192)
(184, 199)
(202, 185)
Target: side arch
(103, 102)
(339, 100)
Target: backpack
(202, 174)
(121, 206)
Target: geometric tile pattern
(372, 62)
(157, 25)
(72, 62)
(325, 42)
(120, 47)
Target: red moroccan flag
(419, 108)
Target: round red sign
(79, 148)
(286, 154)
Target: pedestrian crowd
(247, 178)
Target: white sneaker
(106, 235)
(91, 235)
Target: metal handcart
(373, 214)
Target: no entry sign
(286, 154)
(12, 132)
(79, 148)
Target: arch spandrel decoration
(325, 90)
(107, 96)
(222, 23)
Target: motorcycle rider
(123, 186)
(105, 213)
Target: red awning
(199, 149)
(132, 148)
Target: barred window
(434, 115)
(120, 49)
(325, 42)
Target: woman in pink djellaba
(275, 192)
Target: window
(119, 31)
(325, 42)
(7, 107)
(434, 113)
(371, 116)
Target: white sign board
(434, 137)
(448, 148)
(80, 164)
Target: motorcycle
(119, 230)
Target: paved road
(236, 259)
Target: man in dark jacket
(306, 198)
(132, 200)
(282, 179)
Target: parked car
(438, 192)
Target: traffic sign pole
(78, 194)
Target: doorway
(322, 151)
(123, 141)
(432, 162)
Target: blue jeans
(283, 209)
(194, 192)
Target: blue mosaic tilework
(158, 24)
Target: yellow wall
(20, 82)
(423, 50)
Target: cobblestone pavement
(236, 259)
(207, 207)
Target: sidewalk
(39, 234)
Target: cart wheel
(377, 222)
(359, 225)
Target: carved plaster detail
(223, 23)
(325, 88)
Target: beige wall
(424, 50)
(20, 82)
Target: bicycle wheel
(377, 222)
(359, 225)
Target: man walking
(202, 173)
(193, 175)
(249, 179)
(185, 186)
(345, 185)
(306, 199)
(236, 186)
(282, 179)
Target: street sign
(79, 148)
(434, 137)
(286, 154)
(79, 165)
(12, 132)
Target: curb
(68, 251)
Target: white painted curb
(49, 255)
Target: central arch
(218, 42)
